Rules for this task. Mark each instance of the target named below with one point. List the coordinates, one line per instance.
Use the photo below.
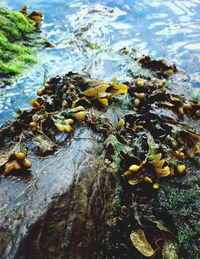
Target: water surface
(89, 34)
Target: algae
(16, 49)
(179, 206)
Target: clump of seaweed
(150, 142)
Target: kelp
(160, 67)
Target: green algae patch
(16, 49)
(179, 205)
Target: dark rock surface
(75, 226)
(24, 200)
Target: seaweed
(150, 144)
(17, 45)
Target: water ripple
(88, 35)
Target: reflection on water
(88, 35)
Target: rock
(76, 200)
(75, 225)
(25, 199)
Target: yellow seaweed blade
(103, 101)
(120, 86)
(140, 242)
(120, 123)
(156, 160)
(175, 99)
(148, 179)
(96, 91)
(167, 104)
(81, 116)
(163, 172)
(134, 168)
(158, 163)
(134, 181)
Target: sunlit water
(89, 34)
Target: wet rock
(26, 197)
(75, 225)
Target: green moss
(15, 24)
(15, 54)
(180, 205)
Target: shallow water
(88, 35)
